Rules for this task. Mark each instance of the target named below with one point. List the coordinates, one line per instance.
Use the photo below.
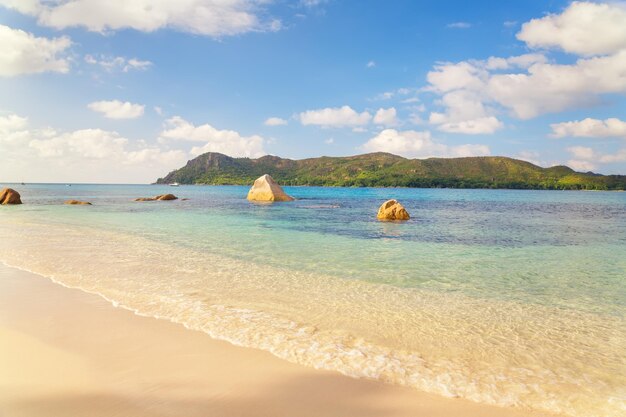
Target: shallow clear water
(515, 298)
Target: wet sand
(67, 353)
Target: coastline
(67, 352)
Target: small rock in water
(162, 197)
(392, 210)
(266, 189)
(77, 203)
(9, 196)
(166, 197)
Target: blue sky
(124, 91)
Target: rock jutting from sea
(392, 210)
(77, 203)
(162, 197)
(9, 196)
(266, 189)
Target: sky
(124, 91)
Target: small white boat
(174, 184)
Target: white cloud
(275, 121)
(519, 61)
(459, 25)
(587, 159)
(312, 3)
(474, 92)
(581, 152)
(335, 117)
(118, 63)
(12, 123)
(116, 109)
(215, 18)
(619, 156)
(481, 125)
(386, 117)
(584, 28)
(590, 128)
(22, 6)
(23, 53)
(542, 88)
(410, 100)
(228, 142)
(579, 165)
(548, 88)
(419, 144)
(530, 156)
(371, 64)
(49, 155)
(454, 76)
(465, 113)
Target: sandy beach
(64, 352)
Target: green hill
(387, 170)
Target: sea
(514, 298)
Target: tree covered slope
(387, 170)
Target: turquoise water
(514, 298)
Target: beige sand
(65, 353)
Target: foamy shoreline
(66, 352)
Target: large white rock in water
(266, 189)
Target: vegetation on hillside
(387, 170)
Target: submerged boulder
(77, 203)
(162, 197)
(266, 189)
(392, 210)
(9, 196)
(166, 197)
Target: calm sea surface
(515, 298)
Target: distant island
(387, 170)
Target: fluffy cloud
(587, 159)
(275, 121)
(548, 88)
(386, 117)
(581, 152)
(543, 88)
(580, 165)
(46, 154)
(23, 53)
(590, 128)
(213, 18)
(22, 6)
(519, 61)
(228, 142)
(478, 126)
(118, 63)
(419, 144)
(465, 113)
(459, 25)
(12, 123)
(116, 109)
(335, 117)
(584, 28)
(474, 92)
